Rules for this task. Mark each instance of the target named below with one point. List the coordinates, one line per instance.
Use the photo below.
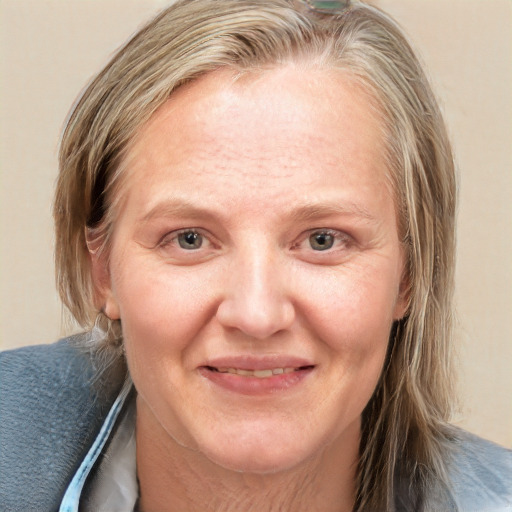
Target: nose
(256, 299)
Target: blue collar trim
(71, 500)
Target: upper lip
(251, 362)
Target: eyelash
(339, 237)
(340, 242)
(173, 238)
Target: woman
(255, 221)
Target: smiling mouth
(260, 374)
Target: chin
(258, 456)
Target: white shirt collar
(113, 485)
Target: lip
(252, 385)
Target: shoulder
(38, 360)
(51, 410)
(480, 474)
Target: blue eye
(321, 241)
(190, 240)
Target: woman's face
(256, 266)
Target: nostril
(256, 319)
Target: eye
(186, 246)
(190, 240)
(187, 240)
(324, 246)
(321, 240)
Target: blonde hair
(404, 424)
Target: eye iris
(321, 241)
(190, 240)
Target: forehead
(304, 90)
(307, 94)
(260, 128)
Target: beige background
(50, 48)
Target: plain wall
(50, 49)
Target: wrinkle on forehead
(222, 96)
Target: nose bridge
(256, 300)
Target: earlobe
(404, 298)
(104, 299)
(401, 307)
(111, 309)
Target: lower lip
(254, 385)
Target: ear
(403, 300)
(104, 297)
(402, 305)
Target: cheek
(352, 315)
(349, 304)
(160, 320)
(161, 309)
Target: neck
(174, 478)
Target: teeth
(260, 374)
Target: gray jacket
(52, 406)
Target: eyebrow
(302, 213)
(316, 211)
(176, 208)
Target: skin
(255, 166)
